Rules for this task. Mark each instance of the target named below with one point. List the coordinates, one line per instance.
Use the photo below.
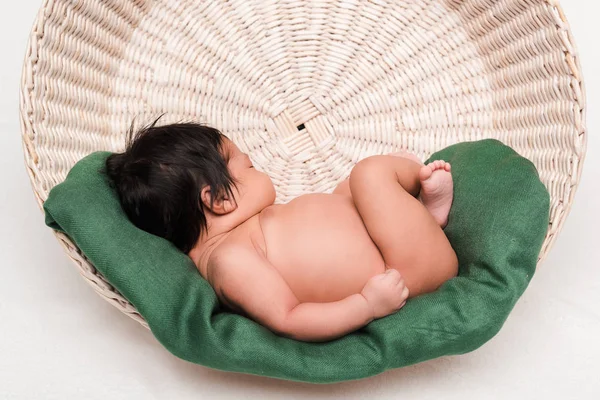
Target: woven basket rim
(31, 158)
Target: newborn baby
(314, 269)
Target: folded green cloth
(497, 224)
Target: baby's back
(320, 246)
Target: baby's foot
(437, 190)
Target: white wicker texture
(360, 77)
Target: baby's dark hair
(161, 173)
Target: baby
(314, 269)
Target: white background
(59, 340)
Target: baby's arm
(251, 282)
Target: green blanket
(497, 225)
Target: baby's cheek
(269, 190)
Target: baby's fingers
(405, 292)
(394, 275)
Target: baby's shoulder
(239, 246)
(224, 261)
(229, 255)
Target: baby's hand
(385, 293)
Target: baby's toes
(425, 172)
(439, 164)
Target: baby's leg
(344, 186)
(409, 237)
(408, 155)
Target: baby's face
(255, 188)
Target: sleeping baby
(313, 269)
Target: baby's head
(173, 179)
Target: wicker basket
(306, 87)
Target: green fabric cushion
(497, 225)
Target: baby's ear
(221, 204)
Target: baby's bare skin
(324, 265)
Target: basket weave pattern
(307, 88)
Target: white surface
(59, 340)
